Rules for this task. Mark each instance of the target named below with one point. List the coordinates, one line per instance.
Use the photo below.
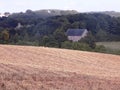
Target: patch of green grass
(110, 45)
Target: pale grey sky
(79, 5)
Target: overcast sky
(79, 5)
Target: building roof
(75, 32)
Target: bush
(76, 46)
(100, 48)
(20, 42)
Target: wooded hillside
(50, 31)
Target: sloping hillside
(40, 68)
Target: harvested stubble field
(40, 68)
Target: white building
(76, 34)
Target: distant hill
(47, 13)
(110, 13)
(54, 12)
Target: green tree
(60, 36)
(102, 35)
(67, 45)
(16, 38)
(90, 40)
(5, 36)
(45, 40)
(26, 37)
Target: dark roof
(75, 32)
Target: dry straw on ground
(40, 68)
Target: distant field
(42, 68)
(110, 45)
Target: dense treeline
(50, 31)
